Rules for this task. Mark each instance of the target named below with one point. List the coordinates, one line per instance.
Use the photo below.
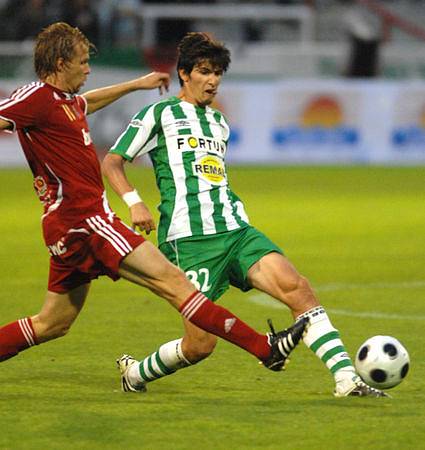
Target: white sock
(324, 340)
(165, 361)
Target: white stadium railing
(301, 15)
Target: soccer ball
(382, 362)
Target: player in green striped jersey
(203, 227)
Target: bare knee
(177, 287)
(46, 329)
(276, 276)
(199, 349)
(288, 284)
(299, 283)
(298, 295)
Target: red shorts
(86, 252)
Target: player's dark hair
(58, 40)
(197, 47)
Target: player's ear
(183, 75)
(60, 65)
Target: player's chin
(208, 100)
(78, 88)
(75, 89)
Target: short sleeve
(26, 107)
(140, 137)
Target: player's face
(77, 70)
(201, 85)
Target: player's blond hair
(58, 40)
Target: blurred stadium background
(314, 81)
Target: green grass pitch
(357, 233)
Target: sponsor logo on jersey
(136, 123)
(193, 142)
(42, 190)
(86, 136)
(182, 124)
(204, 143)
(210, 168)
(40, 186)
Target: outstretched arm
(113, 169)
(99, 98)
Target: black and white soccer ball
(382, 362)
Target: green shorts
(212, 263)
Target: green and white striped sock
(165, 361)
(324, 340)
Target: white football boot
(124, 363)
(354, 386)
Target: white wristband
(131, 198)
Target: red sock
(15, 337)
(217, 320)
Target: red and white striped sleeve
(25, 107)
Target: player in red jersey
(84, 237)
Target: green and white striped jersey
(187, 145)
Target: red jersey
(54, 134)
